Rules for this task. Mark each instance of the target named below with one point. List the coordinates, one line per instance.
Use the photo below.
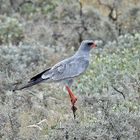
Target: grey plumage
(67, 69)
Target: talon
(74, 108)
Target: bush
(107, 113)
(103, 112)
(11, 30)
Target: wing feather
(39, 75)
(67, 69)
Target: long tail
(30, 83)
(33, 81)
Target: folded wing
(67, 69)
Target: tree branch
(119, 91)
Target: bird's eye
(90, 43)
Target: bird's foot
(74, 108)
(73, 99)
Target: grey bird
(66, 70)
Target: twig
(44, 120)
(74, 108)
(11, 123)
(35, 126)
(119, 91)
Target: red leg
(72, 96)
(73, 100)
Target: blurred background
(35, 34)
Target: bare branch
(119, 91)
(35, 126)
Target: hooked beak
(93, 45)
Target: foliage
(11, 30)
(103, 112)
(108, 114)
(34, 35)
(69, 21)
(116, 62)
(27, 8)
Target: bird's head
(87, 45)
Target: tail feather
(30, 84)
(34, 80)
(36, 77)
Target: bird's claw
(74, 108)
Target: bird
(66, 70)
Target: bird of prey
(66, 70)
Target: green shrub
(112, 64)
(11, 30)
(27, 8)
(102, 112)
